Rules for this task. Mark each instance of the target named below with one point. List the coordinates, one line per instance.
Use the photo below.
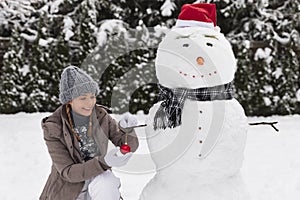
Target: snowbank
(271, 168)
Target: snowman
(196, 133)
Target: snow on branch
(283, 40)
(167, 8)
(30, 38)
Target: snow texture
(167, 8)
(201, 158)
(298, 95)
(54, 6)
(176, 61)
(68, 24)
(271, 168)
(30, 38)
(110, 27)
(263, 54)
(180, 154)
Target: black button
(209, 44)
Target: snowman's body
(201, 158)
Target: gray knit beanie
(75, 82)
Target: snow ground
(271, 168)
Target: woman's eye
(82, 99)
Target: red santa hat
(201, 14)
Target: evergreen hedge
(116, 43)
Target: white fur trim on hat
(192, 23)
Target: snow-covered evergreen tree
(123, 61)
(268, 67)
(35, 60)
(12, 78)
(117, 40)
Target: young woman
(77, 136)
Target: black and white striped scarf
(169, 112)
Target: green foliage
(267, 78)
(124, 62)
(115, 41)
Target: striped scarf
(169, 112)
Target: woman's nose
(90, 102)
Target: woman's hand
(115, 158)
(127, 122)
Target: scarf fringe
(162, 120)
(175, 118)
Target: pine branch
(265, 123)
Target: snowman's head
(194, 57)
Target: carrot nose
(200, 60)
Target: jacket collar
(59, 116)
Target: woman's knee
(106, 181)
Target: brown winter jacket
(68, 171)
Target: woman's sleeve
(62, 160)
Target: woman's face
(84, 104)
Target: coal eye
(185, 45)
(209, 44)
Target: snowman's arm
(265, 123)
